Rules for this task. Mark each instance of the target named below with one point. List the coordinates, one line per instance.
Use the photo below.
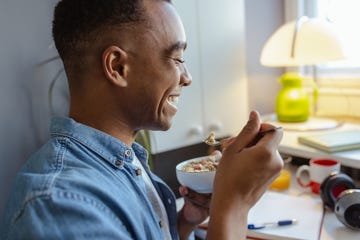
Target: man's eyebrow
(176, 47)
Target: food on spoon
(210, 139)
(203, 165)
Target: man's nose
(186, 78)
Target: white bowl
(201, 182)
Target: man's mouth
(173, 100)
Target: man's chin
(165, 127)
(162, 126)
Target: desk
(332, 228)
(290, 145)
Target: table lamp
(304, 42)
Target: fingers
(215, 155)
(226, 143)
(247, 134)
(183, 191)
(271, 139)
(197, 199)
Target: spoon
(211, 141)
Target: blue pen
(271, 224)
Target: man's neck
(112, 126)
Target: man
(125, 67)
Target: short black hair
(77, 23)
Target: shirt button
(118, 162)
(128, 153)
(161, 224)
(138, 172)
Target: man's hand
(195, 211)
(248, 166)
(196, 205)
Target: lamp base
(292, 101)
(292, 118)
(312, 124)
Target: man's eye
(178, 60)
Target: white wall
(263, 17)
(25, 37)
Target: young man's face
(157, 73)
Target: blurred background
(225, 43)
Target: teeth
(173, 99)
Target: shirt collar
(111, 149)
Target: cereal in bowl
(203, 165)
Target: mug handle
(300, 170)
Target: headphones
(338, 192)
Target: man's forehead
(164, 22)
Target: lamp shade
(303, 42)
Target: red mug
(317, 170)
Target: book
(334, 141)
(275, 206)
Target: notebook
(333, 142)
(275, 206)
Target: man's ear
(114, 65)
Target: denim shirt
(82, 185)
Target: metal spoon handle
(260, 134)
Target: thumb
(247, 134)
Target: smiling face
(156, 72)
